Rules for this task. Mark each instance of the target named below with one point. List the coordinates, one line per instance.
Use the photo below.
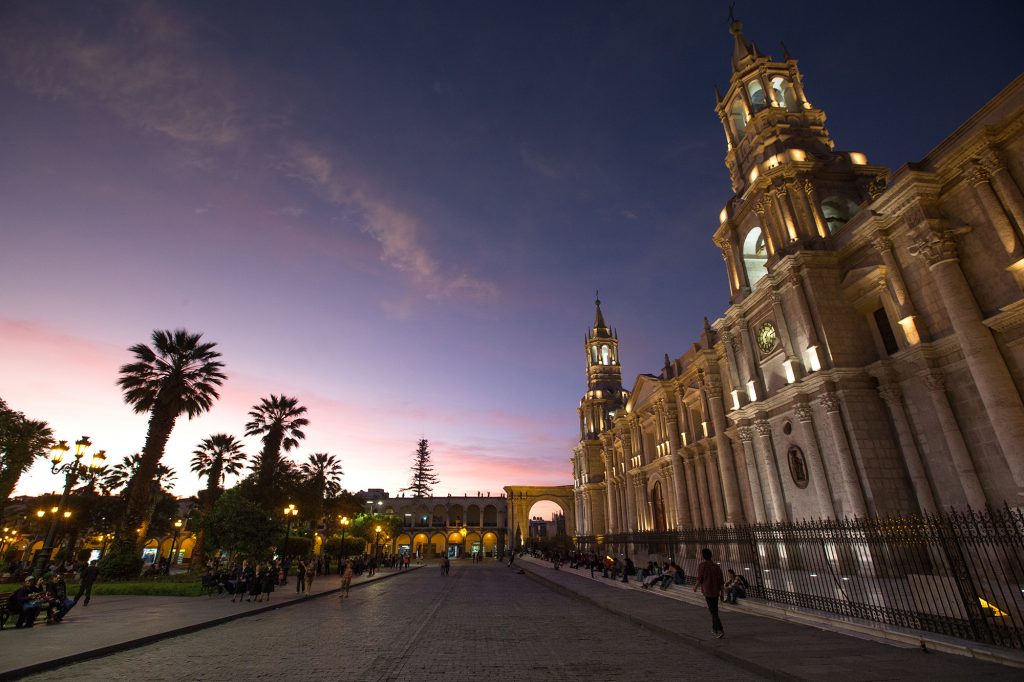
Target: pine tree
(423, 477)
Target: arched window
(837, 211)
(755, 256)
(757, 97)
(739, 118)
(784, 94)
(606, 355)
(593, 354)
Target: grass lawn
(160, 586)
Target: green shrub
(120, 565)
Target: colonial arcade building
(871, 359)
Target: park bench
(5, 609)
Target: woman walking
(310, 574)
(346, 579)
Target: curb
(694, 642)
(79, 657)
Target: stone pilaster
(853, 496)
(770, 470)
(727, 463)
(893, 397)
(935, 381)
(936, 244)
(805, 418)
(746, 435)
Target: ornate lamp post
(72, 472)
(174, 541)
(9, 538)
(290, 512)
(344, 521)
(376, 544)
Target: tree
(279, 420)
(178, 375)
(240, 526)
(323, 476)
(215, 458)
(423, 477)
(21, 441)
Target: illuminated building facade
(871, 359)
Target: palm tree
(215, 458)
(279, 420)
(21, 441)
(118, 479)
(178, 375)
(323, 474)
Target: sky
(399, 212)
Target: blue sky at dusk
(398, 212)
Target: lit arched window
(757, 97)
(755, 256)
(593, 354)
(739, 118)
(606, 355)
(837, 211)
(784, 94)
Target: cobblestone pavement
(484, 621)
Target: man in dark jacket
(23, 602)
(710, 581)
(89, 575)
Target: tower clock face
(766, 337)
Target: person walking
(710, 581)
(346, 580)
(310, 574)
(89, 575)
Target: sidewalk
(118, 622)
(770, 645)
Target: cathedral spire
(601, 328)
(743, 51)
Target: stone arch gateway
(521, 499)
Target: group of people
(49, 594)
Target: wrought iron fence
(957, 573)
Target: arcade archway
(522, 498)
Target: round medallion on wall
(767, 338)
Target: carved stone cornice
(763, 426)
(936, 244)
(804, 412)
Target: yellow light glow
(40, 513)
(53, 510)
(98, 460)
(996, 611)
(723, 216)
(797, 154)
(177, 524)
(377, 529)
(910, 330)
(858, 159)
(67, 515)
(790, 372)
(754, 174)
(58, 451)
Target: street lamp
(344, 527)
(72, 472)
(174, 540)
(463, 532)
(290, 512)
(376, 543)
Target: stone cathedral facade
(871, 360)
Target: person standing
(346, 579)
(89, 575)
(310, 573)
(710, 581)
(300, 576)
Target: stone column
(893, 397)
(979, 178)
(747, 438)
(685, 519)
(631, 516)
(776, 497)
(609, 498)
(815, 209)
(762, 207)
(883, 245)
(1002, 401)
(715, 486)
(703, 497)
(853, 496)
(958, 452)
(733, 504)
(1006, 188)
(815, 466)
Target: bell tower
(793, 190)
(604, 396)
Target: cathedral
(871, 359)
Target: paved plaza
(484, 621)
